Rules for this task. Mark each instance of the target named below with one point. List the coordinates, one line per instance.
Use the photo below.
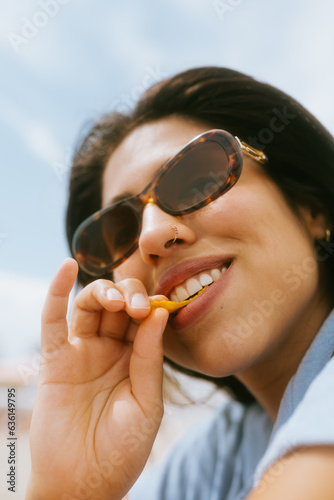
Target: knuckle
(100, 284)
(92, 289)
(131, 284)
(104, 282)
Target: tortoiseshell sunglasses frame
(233, 148)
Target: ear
(315, 222)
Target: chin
(216, 363)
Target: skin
(118, 400)
(252, 222)
(303, 474)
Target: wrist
(35, 491)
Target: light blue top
(227, 454)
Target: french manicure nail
(113, 294)
(139, 300)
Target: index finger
(54, 324)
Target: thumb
(146, 363)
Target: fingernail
(113, 294)
(139, 300)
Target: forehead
(134, 162)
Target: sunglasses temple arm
(253, 153)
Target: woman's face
(264, 303)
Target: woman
(215, 181)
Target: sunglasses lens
(204, 170)
(199, 174)
(106, 239)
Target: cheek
(275, 281)
(134, 267)
(234, 215)
(125, 271)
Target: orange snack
(172, 306)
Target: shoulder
(202, 459)
(310, 424)
(304, 474)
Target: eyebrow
(119, 197)
(127, 194)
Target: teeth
(205, 279)
(194, 285)
(216, 274)
(181, 293)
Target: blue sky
(65, 62)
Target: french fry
(172, 306)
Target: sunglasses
(206, 168)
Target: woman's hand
(99, 399)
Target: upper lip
(187, 268)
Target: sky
(64, 63)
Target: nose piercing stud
(175, 233)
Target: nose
(162, 234)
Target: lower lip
(201, 304)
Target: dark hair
(300, 150)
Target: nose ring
(175, 233)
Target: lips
(196, 283)
(203, 303)
(186, 270)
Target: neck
(268, 379)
